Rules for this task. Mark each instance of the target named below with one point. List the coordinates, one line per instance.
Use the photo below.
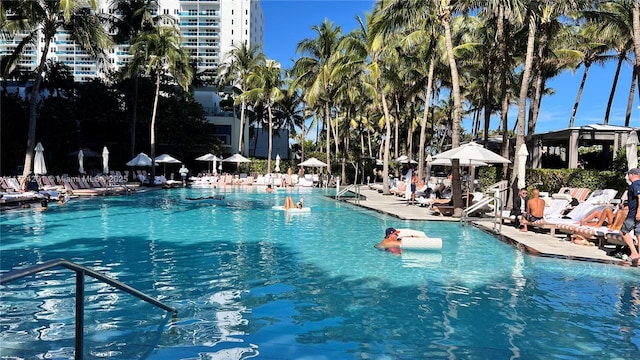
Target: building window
(166, 11)
(231, 21)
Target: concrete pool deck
(531, 242)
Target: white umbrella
(313, 162)
(39, 167)
(236, 158)
(472, 151)
(166, 159)
(631, 148)
(209, 157)
(447, 162)
(277, 168)
(404, 159)
(141, 159)
(522, 165)
(105, 160)
(81, 161)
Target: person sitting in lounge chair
(535, 210)
(614, 222)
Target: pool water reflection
(249, 281)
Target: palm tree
(42, 20)
(134, 17)
(264, 88)
(161, 53)
(312, 72)
(238, 64)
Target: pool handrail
(80, 272)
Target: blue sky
(287, 22)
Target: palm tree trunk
(153, 130)
(327, 122)
(241, 130)
(636, 41)
(457, 109)
(270, 137)
(425, 118)
(613, 88)
(387, 145)
(632, 92)
(33, 109)
(587, 66)
(504, 111)
(524, 91)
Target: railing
(354, 188)
(81, 271)
(497, 210)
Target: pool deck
(531, 242)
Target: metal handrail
(486, 201)
(347, 189)
(80, 272)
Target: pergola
(567, 141)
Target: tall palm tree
(237, 65)
(161, 53)
(133, 17)
(42, 20)
(312, 72)
(264, 88)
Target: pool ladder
(497, 210)
(81, 271)
(354, 188)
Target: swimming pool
(249, 281)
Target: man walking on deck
(632, 222)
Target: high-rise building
(211, 28)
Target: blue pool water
(249, 281)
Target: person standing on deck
(632, 222)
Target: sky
(287, 22)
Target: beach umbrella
(237, 158)
(522, 165)
(81, 161)
(141, 159)
(470, 152)
(166, 159)
(39, 167)
(313, 162)
(210, 158)
(404, 159)
(105, 160)
(277, 168)
(447, 162)
(631, 148)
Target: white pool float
(418, 240)
(293, 210)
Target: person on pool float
(300, 203)
(390, 242)
(288, 203)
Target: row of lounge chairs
(275, 180)
(557, 219)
